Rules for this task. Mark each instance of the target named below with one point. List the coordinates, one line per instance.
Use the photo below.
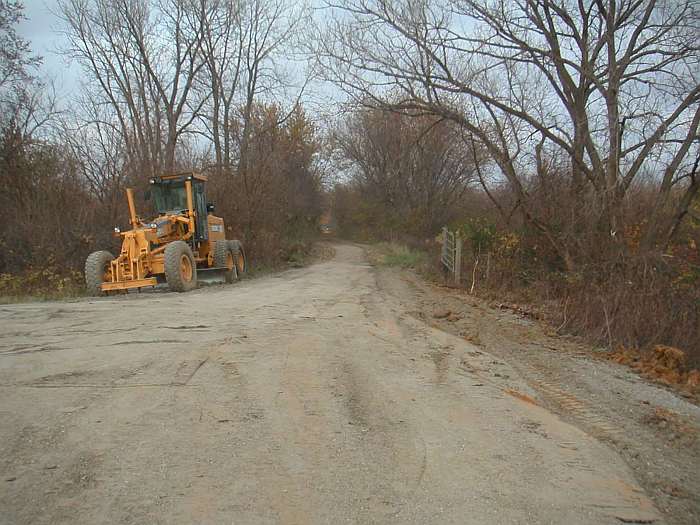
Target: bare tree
(15, 54)
(94, 140)
(250, 73)
(223, 52)
(20, 91)
(410, 173)
(610, 84)
(142, 59)
(246, 48)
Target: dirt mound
(665, 364)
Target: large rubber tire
(225, 257)
(241, 259)
(180, 267)
(96, 268)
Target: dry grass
(41, 284)
(664, 364)
(633, 302)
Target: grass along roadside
(397, 255)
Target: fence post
(458, 258)
(444, 251)
(445, 240)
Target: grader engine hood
(162, 227)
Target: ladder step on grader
(186, 241)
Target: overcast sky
(40, 29)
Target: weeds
(633, 300)
(41, 284)
(400, 255)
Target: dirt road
(311, 396)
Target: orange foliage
(665, 364)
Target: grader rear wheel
(180, 267)
(239, 255)
(224, 257)
(97, 271)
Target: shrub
(46, 282)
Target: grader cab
(183, 240)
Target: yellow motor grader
(184, 239)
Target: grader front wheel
(97, 271)
(180, 267)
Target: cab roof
(181, 177)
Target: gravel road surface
(311, 396)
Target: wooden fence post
(458, 259)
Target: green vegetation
(400, 255)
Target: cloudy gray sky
(41, 29)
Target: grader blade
(212, 275)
